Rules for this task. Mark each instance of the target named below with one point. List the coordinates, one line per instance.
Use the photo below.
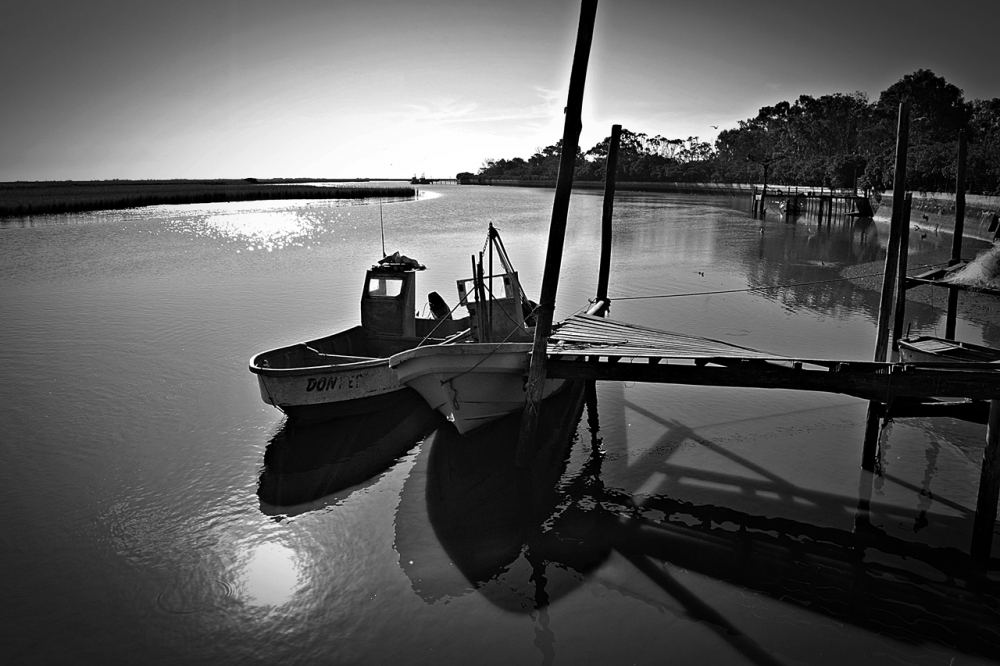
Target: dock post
(989, 489)
(869, 456)
(956, 241)
(557, 235)
(904, 246)
(610, 176)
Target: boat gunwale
(359, 362)
(460, 349)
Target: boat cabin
(388, 304)
(496, 308)
(388, 301)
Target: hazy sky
(369, 88)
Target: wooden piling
(611, 169)
(956, 241)
(869, 456)
(557, 234)
(904, 247)
(989, 489)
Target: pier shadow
(308, 467)
(525, 540)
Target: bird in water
(762, 230)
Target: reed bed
(39, 198)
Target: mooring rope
(489, 354)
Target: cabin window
(497, 286)
(387, 287)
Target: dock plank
(588, 347)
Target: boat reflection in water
(468, 521)
(489, 517)
(305, 467)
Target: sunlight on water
(261, 230)
(272, 575)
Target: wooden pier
(589, 347)
(821, 202)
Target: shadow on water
(493, 521)
(523, 540)
(305, 467)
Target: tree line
(837, 140)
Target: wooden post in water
(557, 233)
(869, 456)
(611, 169)
(989, 488)
(904, 246)
(956, 242)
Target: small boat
(474, 383)
(348, 373)
(927, 349)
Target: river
(157, 511)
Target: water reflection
(271, 575)
(525, 540)
(305, 467)
(507, 531)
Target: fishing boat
(348, 373)
(476, 382)
(472, 384)
(927, 349)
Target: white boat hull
(332, 391)
(471, 384)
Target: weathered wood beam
(898, 381)
(956, 245)
(611, 172)
(989, 489)
(557, 234)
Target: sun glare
(272, 575)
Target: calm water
(156, 511)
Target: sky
(136, 89)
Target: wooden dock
(591, 348)
(588, 347)
(815, 201)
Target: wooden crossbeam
(866, 380)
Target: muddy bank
(977, 307)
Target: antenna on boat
(381, 225)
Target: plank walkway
(589, 347)
(588, 334)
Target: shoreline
(24, 199)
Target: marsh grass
(39, 198)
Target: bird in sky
(714, 126)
